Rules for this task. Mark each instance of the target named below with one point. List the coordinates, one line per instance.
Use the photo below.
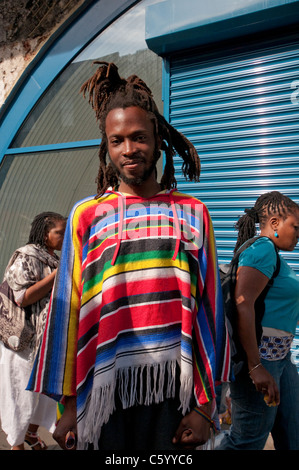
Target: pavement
(52, 445)
(44, 434)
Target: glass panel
(62, 115)
(38, 182)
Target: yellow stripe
(75, 300)
(133, 266)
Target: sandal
(38, 442)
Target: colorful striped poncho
(137, 293)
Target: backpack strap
(277, 269)
(274, 275)
(242, 248)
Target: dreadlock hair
(267, 205)
(107, 91)
(41, 225)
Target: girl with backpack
(265, 393)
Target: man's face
(131, 144)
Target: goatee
(138, 180)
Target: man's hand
(193, 430)
(67, 422)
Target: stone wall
(25, 26)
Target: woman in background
(30, 274)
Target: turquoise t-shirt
(282, 300)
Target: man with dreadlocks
(265, 395)
(136, 338)
(30, 274)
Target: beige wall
(25, 26)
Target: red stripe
(153, 285)
(154, 315)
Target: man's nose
(129, 147)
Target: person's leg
(17, 405)
(142, 427)
(18, 447)
(116, 433)
(252, 419)
(285, 432)
(160, 421)
(32, 438)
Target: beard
(138, 180)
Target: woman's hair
(267, 205)
(107, 91)
(41, 225)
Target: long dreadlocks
(267, 205)
(107, 91)
(41, 225)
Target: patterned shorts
(275, 347)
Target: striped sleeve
(54, 371)
(210, 337)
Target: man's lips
(133, 162)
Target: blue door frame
(58, 52)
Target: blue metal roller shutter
(241, 113)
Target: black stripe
(146, 298)
(87, 336)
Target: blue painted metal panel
(174, 25)
(242, 113)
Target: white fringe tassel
(102, 401)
